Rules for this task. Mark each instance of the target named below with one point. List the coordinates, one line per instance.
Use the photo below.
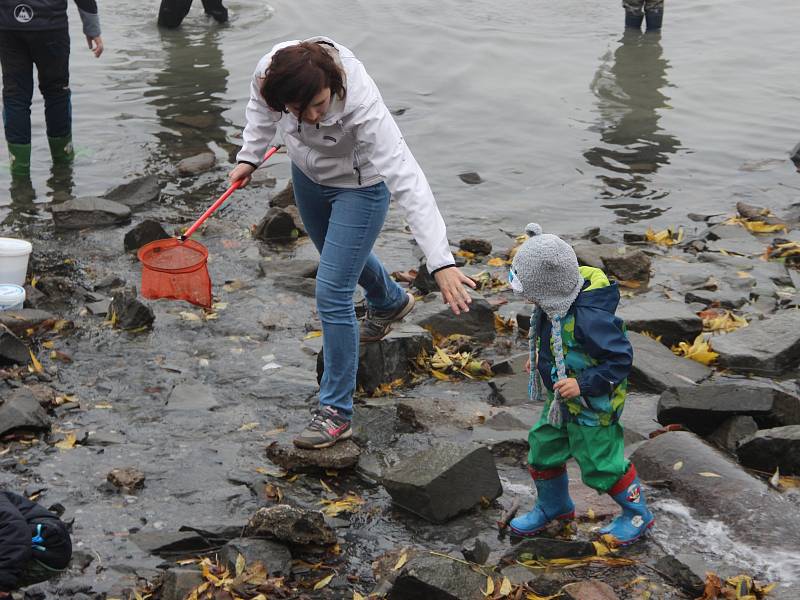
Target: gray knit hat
(547, 269)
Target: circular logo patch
(637, 521)
(23, 13)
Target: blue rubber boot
(635, 519)
(633, 20)
(654, 19)
(552, 502)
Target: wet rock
(503, 421)
(13, 350)
(136, 192)
(192, 397)
(180, 582)
(435, 316)
(701, 408)
(103, 438)
(284, 198)
(511, 390)
(343, 455)
(475, 550)
(89, 212)
(726, 297)
(632, 266)
(299, 285)
(289, 524)
(375, 425)
(424, 281)
(194, 165)
(769, 347)
(126, 311)
(443, 481)
(278, 269)
(476, 246)
(508, 446)
(673, 321)
(201, 121)
(19, 321)
(656, 368)
(734, 239)
(389, 359)
(732, 431)
(277, 225)
(794, 155)
(276, 558)
(20, 409)
(186, 541)
(682, 574)
(717, 487)
(590, 590)
(99, 308)
(471, 178)
(769, 449)
(145, 232)
(126, 479)
(109, 282)
(437, 578)
(544, 547)
(262, 177)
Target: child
(34, 543)
(583, 358)
(637, 11)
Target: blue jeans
(344, 224)
(49, 51)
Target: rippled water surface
(569, 121)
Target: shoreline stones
(88, 212)
(136, 192)
(769, 449)
(21, 410)
(127, 312)
(673, 321)
(655, 367)
(769, 347)
(145, 232)
(441, 482)
(194, 165)
(343, 455)
(289, 524)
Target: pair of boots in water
(653, 18)
(554, 503)
(19, 155)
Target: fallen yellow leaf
(700, 350)
(323, 582)
(709, 474)
(35, 364)
(489, 587)
(401, 561)
(505, 586)
(677, 466)
(313, 334)
(497, 262)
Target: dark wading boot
(633, 20)
(654, 18)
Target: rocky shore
(161, 431)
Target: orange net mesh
(176, 270)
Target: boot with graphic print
(61, 149)
(552, 503)
(635, 519)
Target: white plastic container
(14, 255)
(12, 297)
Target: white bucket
(12, 297)
(14, 255)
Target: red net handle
(234, 186)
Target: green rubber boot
(61, 150)
(19, 156)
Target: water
(568, 123)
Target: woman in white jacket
(348, 158)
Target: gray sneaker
(377, 324)
(326, 428)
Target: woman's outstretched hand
(242, 173)
(451, 282)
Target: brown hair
(298, 73)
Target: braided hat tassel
(554, 416)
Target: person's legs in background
(634, 13)
(215, 9)
(172, 12)
(51, 55)
(654, 14)
(17, 65)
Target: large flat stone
(20, 409)
(672, 320)
(431, 577)
(289, 524)
(343, 455)
(275, 557)
(19, 321)
(180, 582)
(774, 448)
(89, 212)
(703, 407)
(13, 350)
(435, 316)
(136, 192)
(191, 396)
(655, 367)
(443, 481)
(716, 487)
(768, 347)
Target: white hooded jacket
(356, 144)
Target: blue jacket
(596, 351)
(43, 15)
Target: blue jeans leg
(344, 224)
